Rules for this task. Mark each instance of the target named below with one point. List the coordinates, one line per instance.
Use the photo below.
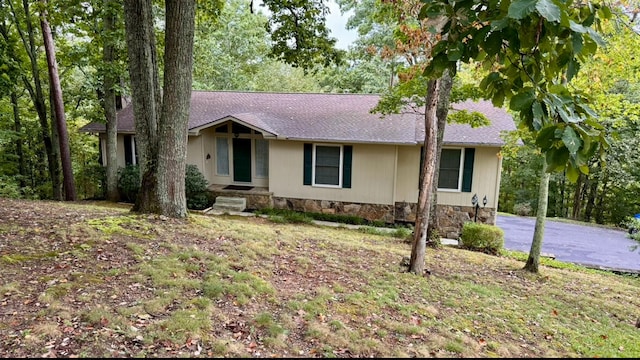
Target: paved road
(581, 244)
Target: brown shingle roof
(325, 117)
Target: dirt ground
(86, 280)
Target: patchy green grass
(115, 284)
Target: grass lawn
(94, 280)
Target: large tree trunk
(58, 105)
(427, 173)
(37, 96)
(162, 163)
(173, 130)
(445, 85)
(146, 98)
(109, 104)
(533, 262)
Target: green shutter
(346, 166)
(467, 174)
(308, 163)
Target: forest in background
(233, 50)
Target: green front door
(242, 160)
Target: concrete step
(227, 203)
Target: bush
(195, 186)
(522, 209)
(482, 237)
(196, 193)
(129, 183)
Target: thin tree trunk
(446, 83)
(109, 104)
(418, 249)
(18, 129)
(577, 198)
(37, 96)
(533, 262)
(591, 199)
(58, 106)
(600, 203)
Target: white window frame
(340, 169)
(460, 171)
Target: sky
(336, 23)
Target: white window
(262, 158)
(450, 176)
(327, 165)
(222, 156)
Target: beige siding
(486, 169)
(195, 154)
(486, 178)
(372, 179)
(408, 174)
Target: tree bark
(162, 163)
(172, 153)
(533, 262)
(58, 105)
(17, 126)
(591, 198)
(416, 264)
(37, 96)
(445, 85)
(146, 99)
(577, 198)
(109, 104)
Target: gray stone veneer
(451, 218)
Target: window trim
(340, 166)
(460, 170)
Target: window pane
(262, 158)
(449, 169)
(222, 156)
(327, 171)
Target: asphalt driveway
(580, 244)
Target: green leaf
(572, 173)
(546, 137)
(571, 140)
(520, 9)
(538, 115)
(556, 158)
(522, 100)
(548, 10)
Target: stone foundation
(450, 218)
(369, 212)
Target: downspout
(395, 179)
(498, 180)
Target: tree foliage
(531, 50)
(299, 34)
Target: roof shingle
(326, 117)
